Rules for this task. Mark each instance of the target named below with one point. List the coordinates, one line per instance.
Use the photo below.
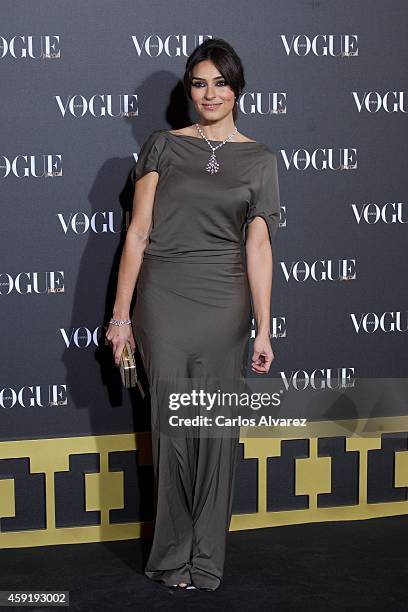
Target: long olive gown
(191, 324)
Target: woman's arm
(131, 260)
(260, 269)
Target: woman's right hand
(117, 336)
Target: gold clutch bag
(128, 370)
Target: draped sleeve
(266, 200)
(149, 157)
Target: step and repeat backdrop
(82, 86)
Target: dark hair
(227, 61)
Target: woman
(201, 193)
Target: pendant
(213, 165)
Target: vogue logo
(37, 166)
(390, 212)
(99, 105)
(45, 46)
(32, 282)
(321, 159)
(373, 101)
(320, 270)
(278, 327)
(173, 45)
(80, 223)
(39, 396)
(330, 45)
(326, 378)
(370, 322)
(82, 337)
(256, 103)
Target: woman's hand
(117, 336)
(262, 356)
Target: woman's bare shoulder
(187, 131)
(191, 130)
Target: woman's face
(212, 97)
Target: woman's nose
(210, 93)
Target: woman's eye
(221, 83)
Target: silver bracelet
(120, 322)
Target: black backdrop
(84, 83)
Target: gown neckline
(242, 142)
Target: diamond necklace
(213, 165)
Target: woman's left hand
(262, 356)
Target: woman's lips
(210, 106)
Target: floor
(350, 565)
